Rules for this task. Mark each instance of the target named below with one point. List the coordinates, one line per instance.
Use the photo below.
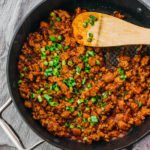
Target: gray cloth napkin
(11, 13)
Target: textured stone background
(11, 13)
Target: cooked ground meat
(72, 92)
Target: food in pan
(72, 90)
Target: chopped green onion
(87, 108)
(97, 62)
(103, 109)
(51, 88)
(43, 57)
(71, 82)
(52, 14)
(19, 82)
(123, 77)
(48, 98)
(42, 49)
(85, 101)
(39, 98)
(79, 112)
(70, 63)
(80, 101)
(121, 72)
(85, 138)
(67, 108)
(93, 99)
(90, 35)
(72, 109)
(93, 17)
(84, 59)
(109, 93)
(78, 70)
(71, 126)
(84, 80)
(84, 24)
(71, 100)
(53, 103)
(86, 21)
(105, 94)
(78, 126)
(51, 22)
(94, 119)
(52, 38)
(83, 120)
(45, 63)
(38, 91)
(63, 62)
(89, 85)
(55, 87)
(22, 75)
(44, 92)
(57, 19)
(72, 72)
(100, 101)
(59, 46)
(91, 22)
(32, 95)
(124, 93)
(59, 37)
(138, 103)
(89, 40)
(41, 89)
(25, 68)
(88, 71)
(90, 53)
(51, 63)
(66, 47)
(66, 125)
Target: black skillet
(135, 12)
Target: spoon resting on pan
(101, 30)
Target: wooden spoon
(108, 31)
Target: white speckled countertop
(11, 13)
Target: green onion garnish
(78, 70)
(89, 40)
(97, 62)
(90, 35)
(19, 82)
(52, 38)
(84, 24)
(48, 97)
(45, 63)
(84, 80)
(93, 17)
(57, 19)
(59, 37)
(32, 95)
(93, 99)
(66, 47)
(71, 126)
(52, 14)
(39, 98)
(91, 22)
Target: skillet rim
(10, 89)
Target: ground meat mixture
(72, 92)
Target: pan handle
(13, 137)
